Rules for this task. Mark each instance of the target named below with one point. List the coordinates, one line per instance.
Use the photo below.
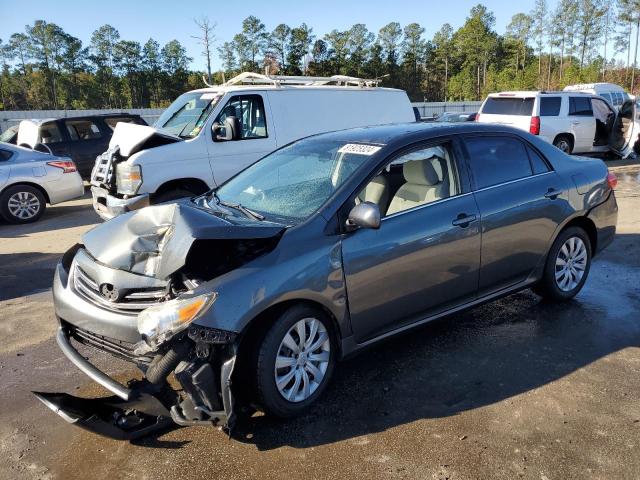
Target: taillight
(612, 180)
(534, 126)
(477, 119)
(67, 167)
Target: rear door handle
(552, 193)
(463, 220)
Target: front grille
(112, 346)
(131, 302)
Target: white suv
(572, 121)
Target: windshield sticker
(359, 149)
(209, 96)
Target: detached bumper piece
(148, 406)
(111, 417)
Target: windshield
(293, 182)
(186, 116)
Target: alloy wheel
(571, 263)
(563, 145)
(23, 205)
(302, 359)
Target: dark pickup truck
(80, 138)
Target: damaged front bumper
(146, 406)
(108, 206)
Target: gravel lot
(515, 389)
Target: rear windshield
(508, 106)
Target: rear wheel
(567, 265)
(295, 361)
(564, 143)
(22, 204)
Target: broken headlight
(159, 323)
(128, 178)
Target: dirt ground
(515, 389)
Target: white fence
(9, 118)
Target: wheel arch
(586, 224)
(569, 135)
(38, 187)
(195, 185)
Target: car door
(625, 128)
(256, 137)
(583, 124)
(425, 256)
(521, 202)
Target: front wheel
(295, 361)
(567, 265)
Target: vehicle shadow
(26, 273)
(473, 359)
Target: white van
(208, 135)
(612, 93)
(575, 122)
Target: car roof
(406, 133)
(42, 121)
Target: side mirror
(364, 215)
(229, 130)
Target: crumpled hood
(155, 241)
(132, 138)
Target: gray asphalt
(519, 388)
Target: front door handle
(552, 193)
(463, 220)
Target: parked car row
(251, 293)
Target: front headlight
(128, 178)
(159, 323)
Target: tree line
(578, 41)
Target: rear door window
(495, 160)
(580, 107)
(508, 106)
(550, 106)
(82, 130)
(50, 133)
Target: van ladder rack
(279, 80)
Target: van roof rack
(279, 80)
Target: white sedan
(30, 179)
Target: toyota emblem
(109, 292)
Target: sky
(167, 20)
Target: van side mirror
(364, 215)
(229, 130)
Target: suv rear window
(82, 130)
(550, 106)
(580, 107)
(508, 106)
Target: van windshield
(290, 184)
(508, 106)
(186, 116)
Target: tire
(275, 345)
(556, 285)
(172, 195)
(22, 204)
(564, 143)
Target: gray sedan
(251, 293)
(30, 179)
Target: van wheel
(564, 143)
(172, 195)
(295, 361)
(22, 204)
(567, 266)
